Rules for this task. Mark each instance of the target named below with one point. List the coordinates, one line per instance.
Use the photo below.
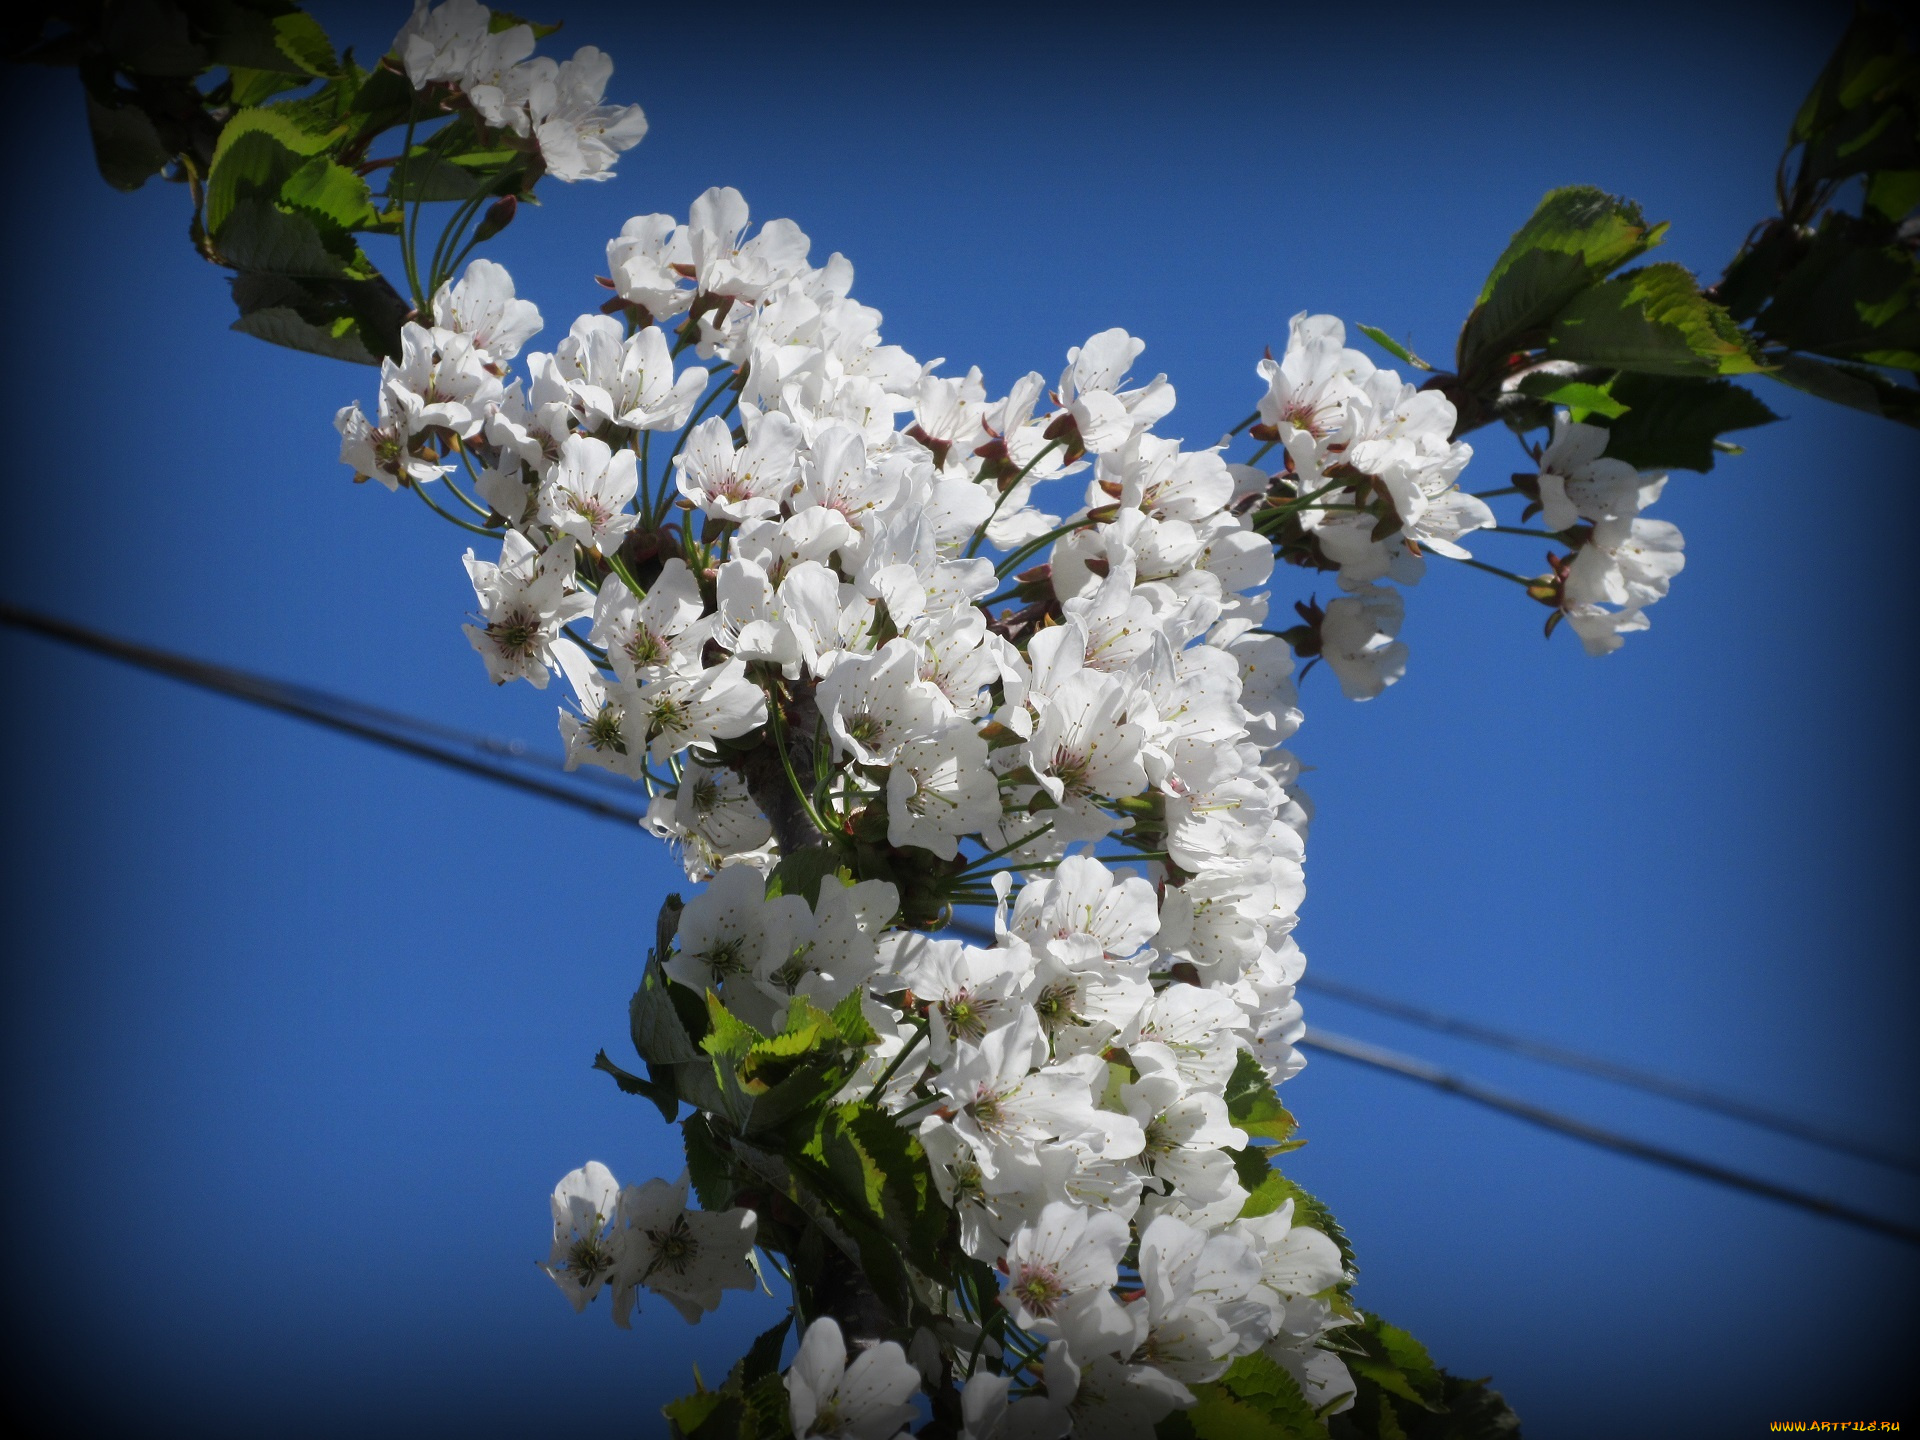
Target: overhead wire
(1411, 1068)
(1424, 1072)
(488, 758)
(492, 759)
(1567, 1058)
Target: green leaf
(126, 146)
(1653, 320)
(703, 1415)
(1258, 1387)
(659, 1094)
(256, 87)
(1277, 1189)
(1580, 396)
(1861, 115)
(763, 1356)
(298, 36)
(1854, 295)
(659, 1035)
(707, 1166)
(727, 1034)
(1253, 1105)
(800, 872)
(259, 236)
(851, 1021)
(1574, 236)
(257, 152)
(1851, 385)
(1221, 1414)
(355, 320)
(426, 177)
(1402, 1393)
(330, 190)
(1672, 422)
(1393, 347)
(506, 20)
(287, 327)
(1894, 193)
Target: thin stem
(1255, 458)
(435, 273)
(409, 215)
(646, 479)
(1490, 494)
(1025, 470)
(1032, 546)
(1005, 849)
(887, 1074)
(585, 644)
(427, 500)
(1252, 419)
(779, 725)
(1491, 570)
(1517, 530)
(619, 567)
(459, 494)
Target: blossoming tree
(1020, 1176)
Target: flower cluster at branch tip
(1620, 563)
(644, 1236)
(795, 645)
(487, 59)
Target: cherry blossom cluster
(1370, 486)
(794, 642)
(462, 51)
(639, 1236)
(1620, 563)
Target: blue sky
(297, 1031)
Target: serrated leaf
(659, 1035)
(727, 1033)
(256, 87)
(1263, 1385)
(660, 1095)
(763, 1356)
(1218, 1415)
(256, 153)
(330, 190)
(1851, 385)
(430, 178)
(1393, 347)
(1253, 1105)
(126, 146)
(707, 1168)
(1277, 1189)
(1853, 295)
(850, 1019)
(1579, 396)
(298, 36)
(1861, 114)
(280, 325)
(1673, 422)
(261, 237)
(801, 871)
(703, 1415)
(1574, 236)
(1654, 320)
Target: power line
(491, 759)
(1412, 1068)
(381, 727)
(1605, 1069)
